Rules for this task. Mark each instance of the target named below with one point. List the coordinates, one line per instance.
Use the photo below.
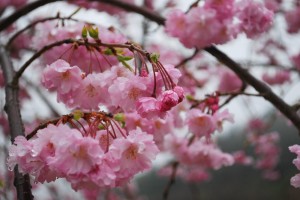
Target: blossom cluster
(215, 22)
(89, 59)
(14, 3)
(295, 180)
(117, 88)
(86, 162)
(266, 148)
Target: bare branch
(6, 22)
(12, 108)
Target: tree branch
(244, 75)
(12, 108)
(6, 22)
(261, 87)
(136, 9)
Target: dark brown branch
(33, 24)
(136, 9)
(223, 58)
(12, 108)
(6, 22)
(42, 126)
(184, 61)
(261, 87)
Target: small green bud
(189, 97)
(108, 52)
(154, 57)
(120, 117)
(101, 127)
(84, 32)
(93, 32)
(77, 114)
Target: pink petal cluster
(295, 180)
(229, 81)
(116, 88)
(199, 154)
(202, 24)
(200, 124)
(296, 61)
(279, 78)
(241, 158)
(189, 174)
(214, 22)
(62, 152)
(267, 150)
(254, 17)
(87, 59)
(220, 117)
(292, 20)
(14, 3)
(100, 6)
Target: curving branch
(244, 75)
(12, 108)
(6, 22)
(79, 42)
(10, 41)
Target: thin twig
(184, 61)
(6, 22)
(167, 190)
(33, 24)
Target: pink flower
(90, 93)
(78, 155)
(202, 28)
(148, 107)
(295, 181)
(280, 77)
(296, 61)
(201, 153)
(224, 8)
(175, 23)
(256, 124)
(292, 19)
(229, 81)
(125, 92)
(196, 174)
(61, 76)
(295, 149)
(134, 152)
(200, 124)
(220, 117)
(254, 17)
(168, 100)
(241, 158)
(15, 3)
(20, 154)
